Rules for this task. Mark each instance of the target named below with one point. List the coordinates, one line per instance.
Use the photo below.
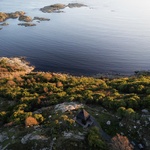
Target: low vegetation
(119, 101)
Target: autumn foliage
(120, 142)
(30, 121)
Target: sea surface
(108, 36)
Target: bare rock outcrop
(10, 67)
(68, 106)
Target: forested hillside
(125, 97)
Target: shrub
(120, 142)
(39, 117)
(11, 83)
(95, 141)
(59, 84)
(30, 121)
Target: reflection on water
(108, 36)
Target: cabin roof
(83, 114)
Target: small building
(84, 119)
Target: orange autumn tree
(30, 121)
(120, 142)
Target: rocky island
(58, 8)
(21, 17)
(55, 8)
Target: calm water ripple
(108, 36)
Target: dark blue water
(108, 36)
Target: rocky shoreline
(14, 66)
(19, 65)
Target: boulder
(78, 136)
(145, 111)
(108, 122)
(3, 137)
(30, 137)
